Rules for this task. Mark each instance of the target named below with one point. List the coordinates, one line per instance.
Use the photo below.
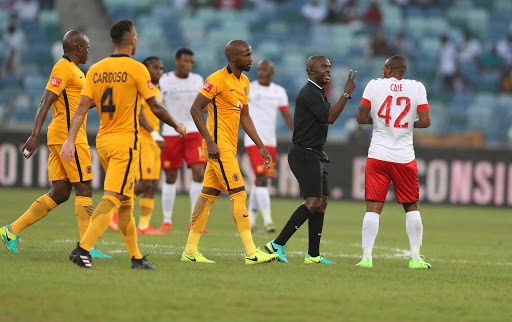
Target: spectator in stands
(27, 10)
(460, 84)
(12, 52)
(447, 63)
(358, 134)
(229, 4)
(351, 14)
(470, 49)
(380, 46)
(504, 49)
(313, 12)
(335, 11)
(403, 46)
(491, 60)
(505, 82)
(372, 16)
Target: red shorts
(257, 160)
(176, 149)
(379, 174)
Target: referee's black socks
(315, 223)
(299, 216)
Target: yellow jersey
(153, 121)
(66, 81)
(115, 83)
(228, 96)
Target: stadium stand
(277, 31)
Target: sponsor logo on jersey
(55, 81)
(207, 86)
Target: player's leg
(147, 205)
(172, 161)
(406, 183)
(263, 194)
(200, 215)
(257, 166)
(377, 182)
(195, 158)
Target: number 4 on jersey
(385, 111)
(107, 108)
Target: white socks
(369, 233)
(168, 197)
(195, 190)
(259, 199)
(414, 229)
(253, 207)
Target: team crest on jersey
(150, 85)
(55, 81)
(88, 169)
(207, 86)
(245, 90)
(235, 177)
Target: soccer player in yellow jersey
(62, 94)
(226, 92)
(115, 85)
(150, 163)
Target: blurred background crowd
(460, 49)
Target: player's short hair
(183, 51)
(149, 60)
(118, 30)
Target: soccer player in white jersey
(390, 104)
(179, 89)
(265, 99)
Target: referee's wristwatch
(346, 95)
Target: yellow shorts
(120, 164)
(149, 161)
(77, 170)
(223, 174)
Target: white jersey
(393, 105)
(264, 102)
(178, 94)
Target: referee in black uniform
(307, 159)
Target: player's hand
(213, 150)
(181, 129)
(68, 150)
(326, 157)
(30, 146)
(350, 85)
(267, 157)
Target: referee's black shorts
(310, 172)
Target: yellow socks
(199, 219)
(100, 220)
(241, 218)
(146, 211)
(40, 208)
(126, 224)
(83, 211)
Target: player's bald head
(72, 39)
(265, 63)
(235, 47)
(398, 64)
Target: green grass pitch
(469, 249)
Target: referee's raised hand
(350, 85)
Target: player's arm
(163, 115)
(424, 119)
(250, 129)
(68, 148)
(143, 121)
(32, 143)
(363, 115)
(200, 103)
(337, 108)
(288, 118)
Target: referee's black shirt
(311, 117)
